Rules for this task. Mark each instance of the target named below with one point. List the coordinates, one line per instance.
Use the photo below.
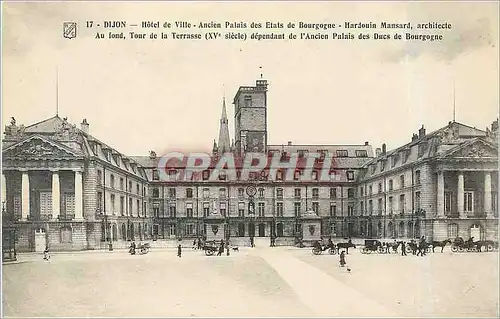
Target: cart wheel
(209, 252)
(489, 247)
(454, 248)
(368, 251)
(408, 249)
(461, 249)
(332, 251)
(428, 250)
(381, 250)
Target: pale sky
(156, 95)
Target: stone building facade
(64, 188)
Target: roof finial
(261, 75)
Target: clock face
(251, 190)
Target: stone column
(460, 195)
(25, 195)
(4, 190)
(78, 195)
(440, 194)
(56, 194)
(487, 194)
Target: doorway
(262, 230)
(40, 240)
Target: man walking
(179, 250)
(403, 248)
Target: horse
(412, 247)
(394, 246)
(441, 244)
(346, 246)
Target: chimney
(377, 152)
(421, 132)
(366, 143)
(289, 143)
(85, 126)
(414, 137)
(383, 148)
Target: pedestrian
(194, 244)
(46, 255)
(403, 249)
(252, 244)
(179, 250)
(221, 248)
(342, 259)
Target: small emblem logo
(69, 30)
(312, 229)
(215, 229)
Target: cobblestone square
(255, 282)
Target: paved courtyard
(258, 282)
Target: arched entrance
(132, 231)
(370, 229)
(140, 231)
(115, 232)
(40, 240)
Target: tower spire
(224, 144)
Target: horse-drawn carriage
(210, 247)
(142, 249)
(372, 245)
(318, 249)
(459, 245)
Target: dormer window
(284, 156)
(361, 153)
(302, 153)
(372, 169)
(322, 155)
(342, 153)
(393, 161)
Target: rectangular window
(261, 209)
(402, 204)
(138, 208)
(223, 209)
(297, 193)
(469, 202)
(99, 177)
(156, 175)
(391, 204)
(350, 175)
(171, 193)
(333, 193)
(296, 175)
(391, 184)
(206, 193)
(189, 193)
(361, 191)
(130, 207)
(370, 207)
(279, 193)
(333, 209)
(241, 192)
(206, 209)
(447, 202)
(279, 209)
(402, 181)
(350, 193)
(315, 207)
(417, 177)
(172, 210)
(417, 200)
(248, 101)
(261, 193)
(112, 199)
(370, 190)
(452, 230)
(112, 181)
(296, 207)
(222, 193)
(121, 183)
(315, 193)
(189, 229)
(156, 209)
(350, 210)
(99, 202)
(122, 205)
(362, 206)
(137, 189)
(206, 175)
(189, 210)
(241, 209)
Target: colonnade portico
(26, 209)
(460, 190)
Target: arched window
(115, 232)
(401, 229)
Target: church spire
(224, 141)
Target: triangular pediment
(38, 147)
(477, 148)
